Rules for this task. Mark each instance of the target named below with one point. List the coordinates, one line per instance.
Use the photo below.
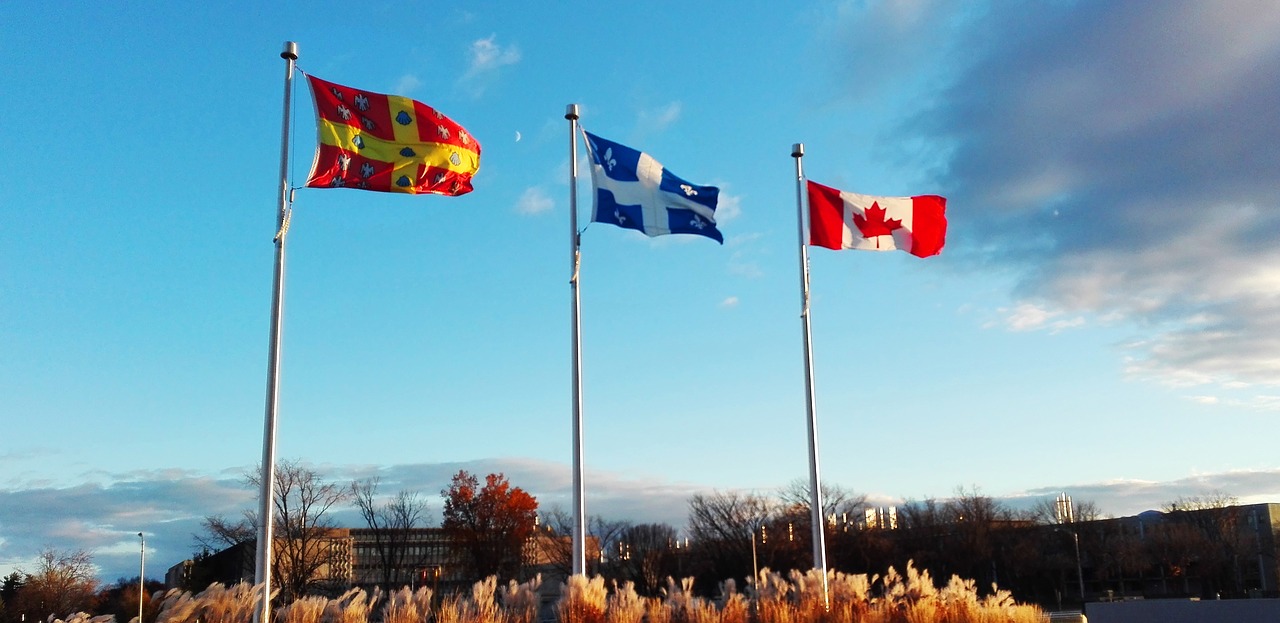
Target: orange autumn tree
(488, 526)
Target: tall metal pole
(575, 256)
(1075, 538)
(815, 481)
(142, 573)
(262, 564)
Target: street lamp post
(755, 568)
(1075, 540)
(142, 575)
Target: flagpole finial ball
(797, 150)
(290, 51)
(571, 111)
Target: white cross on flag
(634, 191)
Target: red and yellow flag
(388, 143)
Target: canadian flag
(845, 220)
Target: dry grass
(624, 605)
(895, 597)
(216, 604)
(521, 601)
(582, 600)
(406, 606)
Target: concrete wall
(1185, 611)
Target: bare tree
(1045, 511)
(723, 526)
(836, 501)
(221, 532)
(306, 554)
(1219, 546)
(647, 556)
(390, 523)
(64, 582)
(555, 527)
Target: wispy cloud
(407, 84)
(745, 255)
(533, 201)
(1032, 317)
(1122, 156)
(656, 120)
(169, 506)
(487, 56)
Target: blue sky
(1102, 321)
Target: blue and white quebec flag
(634, 191)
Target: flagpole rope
(293, 140)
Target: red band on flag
(846, 220)
(388, 143)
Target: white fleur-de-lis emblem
(608, 158)
(619, 216)
(697, 223)
(689, 191)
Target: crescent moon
(517, 136)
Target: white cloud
(169, 505)
(1032, 317)
(731, 301)
(1159, 166)
(407, 84)
(744, 258)
(487, 57)
(661, 118)
(728, 207)
(534, 201)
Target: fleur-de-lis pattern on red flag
(388, 143)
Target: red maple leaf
(874, 224)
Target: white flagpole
(815, 481)
(262, 563)
(575, 243)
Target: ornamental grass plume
(655, 611)
(177, 606)
(220, 604)
(686, 607)
(624, 605)
(773, 604)
(407, 606)
(851, 597)
(480, 607)
(450, 610)
(84, 617)
(582, 600)
(352, 606)
(734, 607)
(302, 610)
(483, 605)
(810, 600)
(521, 601)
